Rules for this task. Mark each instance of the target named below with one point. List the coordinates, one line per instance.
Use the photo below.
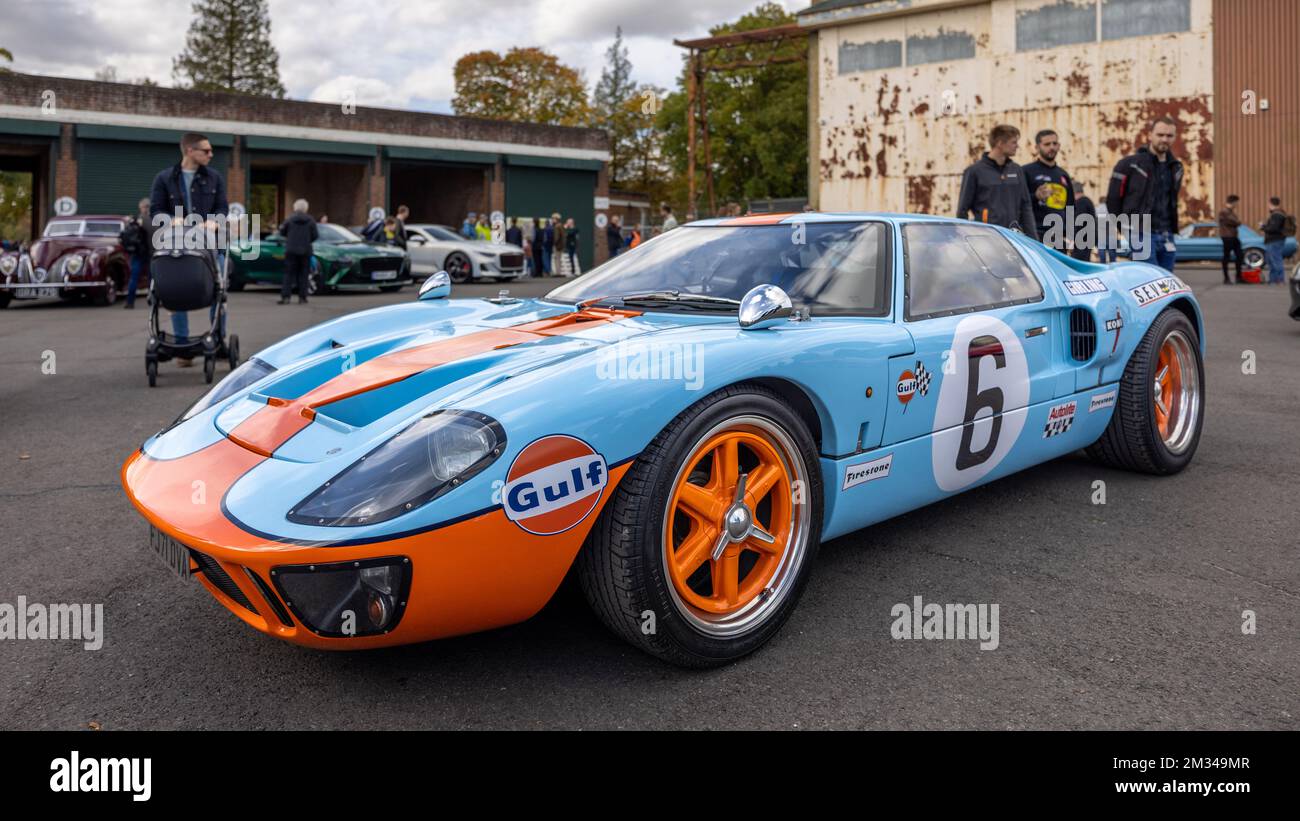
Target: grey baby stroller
(188, 280)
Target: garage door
(112, 175)
(535, 191)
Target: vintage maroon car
(76, 257)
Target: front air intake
(1083, 334)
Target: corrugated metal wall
(1257, 50)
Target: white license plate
(383, 275)
(174, 554)
(35, 293)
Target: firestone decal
(982, 404)
(1158, 289)
(1059, 419)
(864, 472)
(1101, 401)
(553, 484)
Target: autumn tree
(525, 85)
(7, 56)
(757, 118)
(228, 48)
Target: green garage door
(533, 191)
(112, 175)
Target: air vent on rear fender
(1083, 334)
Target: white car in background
(434, 248)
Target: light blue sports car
(685, 423)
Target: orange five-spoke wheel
(1175, 392)
(726, 540)
(701, 554)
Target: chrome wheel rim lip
(762, 607)
(1185, 409)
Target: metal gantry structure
(700, 66)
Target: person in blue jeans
(1274, 230)
(135, 241)
(191, 187)
(1144, 188)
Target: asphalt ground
(1122, 615)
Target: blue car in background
(1200, 242)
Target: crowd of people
(1043, 201)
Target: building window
(941, 47)
(870, 56)
(1064, 23)
(1143, 18)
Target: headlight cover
(237, 380)
(429, 458)
(74, 264)
(8, 265)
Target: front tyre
(707, 544)
(1158, 414)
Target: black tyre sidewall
(1169, 321)
(708, 650)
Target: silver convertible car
(434, 248)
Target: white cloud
(395, 55)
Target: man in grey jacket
(299, 232)
(994, 190)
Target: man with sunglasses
(193, 188)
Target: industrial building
(100, 144)
(903, 94)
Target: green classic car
(341, 260)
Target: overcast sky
(392, 55)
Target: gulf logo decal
(553, 484)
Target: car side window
(955, 268)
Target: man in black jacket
(993, 189)
(135, 241)
(190, 187)
(1274, 230)
(1144, 188)
(299, 232)
(1051, 190)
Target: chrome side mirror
(436, 286)
(763, 307)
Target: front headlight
(75, 264)
(427, 459)
(240, 378)
(8, 265)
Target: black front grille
(509, 261)
(280, 613)
(1083, 334)
(221, 579)
(371, 264)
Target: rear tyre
(458, 267)
(686, 564)
(1158, 414)
(108, 295)
(5, 298)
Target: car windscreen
(64, 228)
(103, 228)
(330, 232)
(825, 267)
(439, 232)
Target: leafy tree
(15, 205)
(757, 119)
(8, 56)
(616, 107)
(228, 48)
(108, 74)
(526, 85)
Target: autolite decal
(553, 484)
(1082, 287)
(1059, 419)
(1158, 289)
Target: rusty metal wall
(1257, 58)
(898, 139)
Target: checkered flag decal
(1057, 427)
(922, 378)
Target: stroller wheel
(232, 350)
(151, 368)
(209, 368)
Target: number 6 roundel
(982, 402)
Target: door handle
(1039, 331)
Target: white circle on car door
(982, 403)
